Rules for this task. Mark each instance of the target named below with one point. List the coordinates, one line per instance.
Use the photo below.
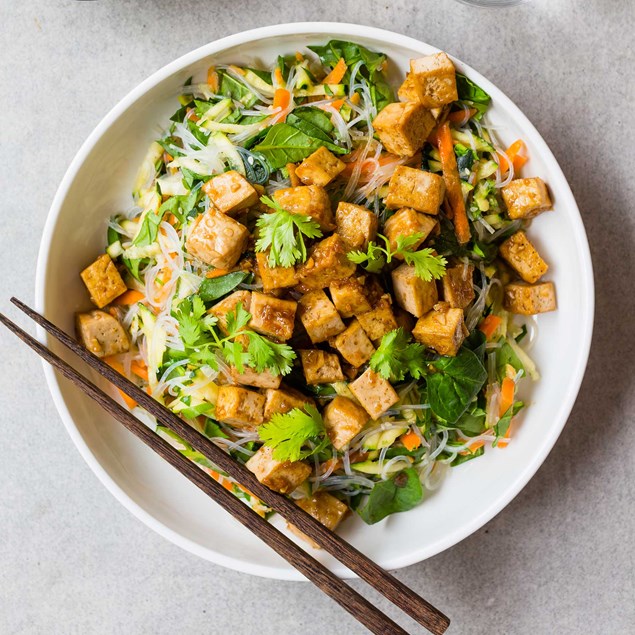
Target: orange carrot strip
(516, 154)
(277, 74)
(299, 57)
(338, 103)
(216, 273)
(118, 366)
(473, 447)
(410, 440)
(295, 181)
(130, 402)
(507, 396)
(458, 116)
(212, 79)
(281, 98)
(489, 325)
(338, 72)
(132, 296)
(356, 98)
(139, 369)
(236, 69)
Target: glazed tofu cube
(529, 299)
(271, 316)
(343, 419)
(404, 319)
(411, 292)
(458, 287)
(239, 407)
(406, 222)
(326, 263)
(518, 251)
(407, 90)
(320, 168)
(526, 198)
(221, 309)
(441, 329)
(320, 367)
(409, 187)
(274, 277)
(379, 320)
(434, 79)
(325, 508)
(230, 192)
(353, 344)
(403, 127)
(374, 393)
(319, 316)
(249, 377)
(350, 297)
(103, 281)
(280, 476)
(356, 225)
(101, 333)
(283, 400)
(217, 239)
(308, 200)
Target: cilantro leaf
(237, 320)
(189, 314)
(267, 355)
(374, 260)
(427, 263)
(397, 356)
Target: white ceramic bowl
(98, 183)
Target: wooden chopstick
(360, 608)
(386, 584)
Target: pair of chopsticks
(360, 608)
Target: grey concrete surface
(559, 559)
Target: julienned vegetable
(325, 281)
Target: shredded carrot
(191, 114)
(118, 366)
(504, 440)
(299, 57)
(139, 369)
(167, 158)
(279, 79)
(281, 98)
(295, 181)
(458, 116)
(472, 447)
(507, 396)
(356, 98)
(216, 273)
(337, 74)
(132, 296)
(212, 79)
(172, 219)
(489, 325)
(410, 440)
(130, 402)
(338, 103)
(517, 154)
(236, 69)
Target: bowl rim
(350, 31)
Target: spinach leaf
(316, 117)
(214, 288)
(398, 494)
(286, 144)
(505, 355)
(501, 427)
(476, 342)
(463, 458)
(149, 227)
(315, 132)
(472, 422)
(199, 133)
(470, 91)
(181, 205)
(234, 89)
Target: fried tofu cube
(526, 198)
(374, 393)
(409, 187)
(103, 281)
(325, 508)
(221, 309)
(529, 299)
(271, 316)
(319, 168)
(319, 316)
(379, 320)
(230, 192)
(101, 333)
(274, 277)
(407, 90)
(284, 400)
(320, 367)
(343, 420)
(217, 239)
(406, 222)
(350, 297)
(353, 344)
(356, 225)
(280, 476)
(458, 286)
(326, 263)
(308, 200)
(434, 79)
(404, 319)
(442, 329)
(239, 407)
(250, 377)
(519, 252)
(411, 292)
(403, 127)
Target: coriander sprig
(397, 356)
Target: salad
(330, 279)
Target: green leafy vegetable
(464, 458)
(506, 355)
(397, 356)
(233, 88)
(470, 91)
(501, 427)
(373, 260)
(214, 288)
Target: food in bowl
(330, 284)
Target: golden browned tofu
(325, 508)
(350, 297)
(320, 168)
(356, 225)
(249, 377)
(374, 393)
(379, 320)
(412, 293)
(101, 333)
(407, 90)
(308, 200)
(274, 277)
(283, 400)
(239, 407)
(458, 287)
(230, 192)
(353, 344)
(404, 319)
(434, 79)
(442, 329)
(526, 198)
(403, 127)
(319, 316)
(406, 222)
(343, 419)
(217, 239)
(280, 476)
(221, 309)
(520, 253)
(409, 187)
(529, 299)
(103, 281)
(327, 262)
(271, 316)
(320, 367)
